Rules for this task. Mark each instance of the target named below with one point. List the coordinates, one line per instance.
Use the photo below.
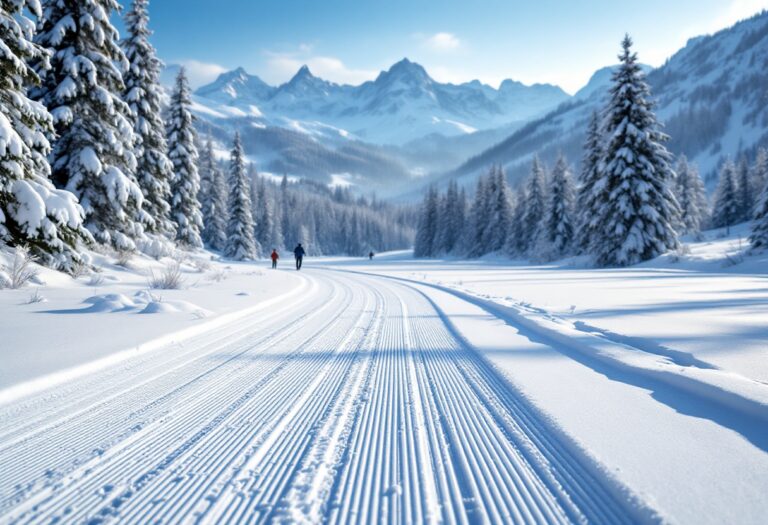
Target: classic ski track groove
(357, 404)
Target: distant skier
(299, 253)
(370, 256)
(274, 258)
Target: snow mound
(109, 303)
(142, 302)
(173, 307)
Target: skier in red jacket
(274, 258)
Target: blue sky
(557, 41)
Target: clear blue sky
(556, 41)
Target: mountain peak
(406, 65)
(235, 84)
(405, 71)
(303, 72)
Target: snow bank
(101, 319)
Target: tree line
(629, 203)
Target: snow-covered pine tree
(442, 212)
(499, 214)
(725, 209)
(277, 239)
(213, 199)
(452, 214)
(240, 243)
(143, 94)
(557, 226)
(516, 235)
(262, 211)
(744, 190)
(287, 228)
(588, 206)
(478, 220)
(691, 196)
(759, 235)
(638, 213)
(354, 240)
(93, 153)
(426, 231)
(535, 206)
(759, 173)
(461, 222)
(182, 151)
(253, 178)
(32, 212)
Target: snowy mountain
(402, 104)
(600, 81)
(235, 85)
(711, 96)
(378, 135)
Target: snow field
(666, 399)
(354, 404)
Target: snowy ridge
(709, 97)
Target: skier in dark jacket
(370, 256)
(274, 258)
(299, 253)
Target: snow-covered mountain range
(712, 97)
(403, 129)
(402, 104)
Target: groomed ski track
(355, 403)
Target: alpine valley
(404, 125)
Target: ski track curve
(355, 404)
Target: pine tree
(427, 228)
(253, 178)
(442, 226)
(240, 243)
(535, 202)
(517, 236)
(691, 195)
(499, 211)
(759, 235)
(286, 226)
(462, 210)
(182, 151)
(277, 239)
(759, 173)
(725, 210)
(263, 212)
(214, 199)
(557, 226)
(93, 153)
(452, 213)
(638, 213)
(478, 220)
(588, 205)
(32, 212)
(143, 94)
(744, 190)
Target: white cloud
(282, 66)
(442, 42)
(201, 73)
